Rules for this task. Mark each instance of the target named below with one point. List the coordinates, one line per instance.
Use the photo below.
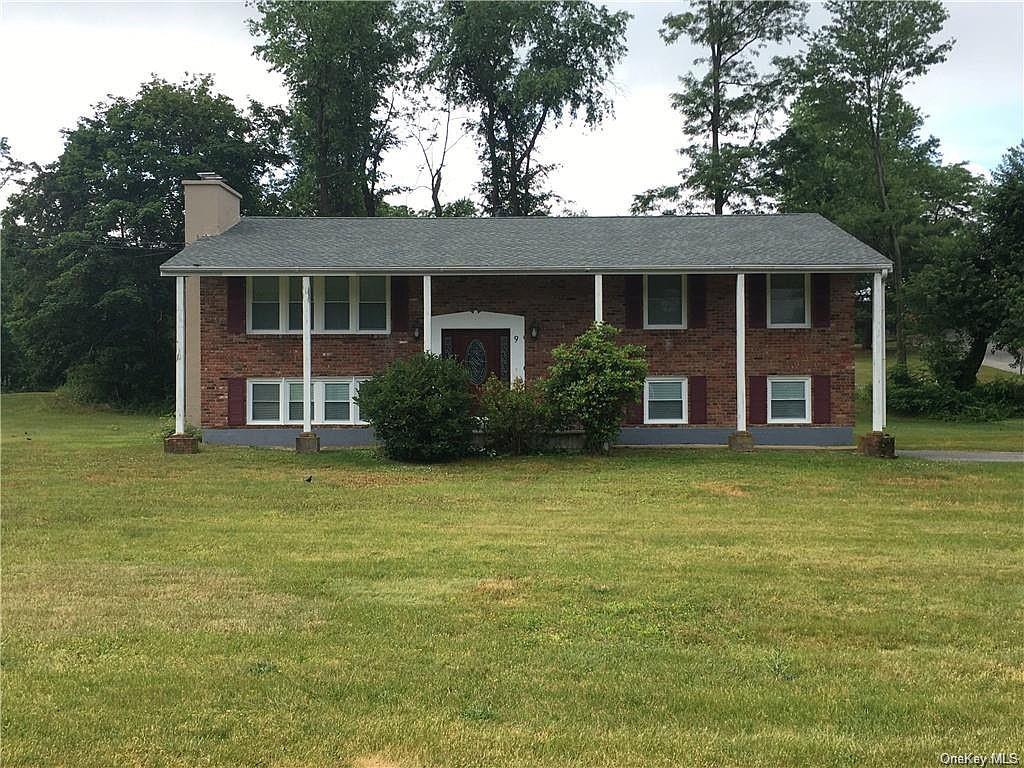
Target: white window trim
(319, 407)
(806, 381)
(318, 308)
(807, 302)
(686, 400)
(671, 326)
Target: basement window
(789, 399)
(665, 401)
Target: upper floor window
(789, 300)
(341, 304)
(664, 301)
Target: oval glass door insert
(476, 361)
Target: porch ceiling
(535, 245)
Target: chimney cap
(209, 176)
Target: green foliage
(342, 62)
(167, 428)
(83, 238)
(1004, 241)
(526, 66)
(420, 408)
(911, 393)
(591, 382)
(727, 105)
(515, 419)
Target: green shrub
(514, 419)
(591, 382)
(420, 408)
(911, 393)
(167, 428)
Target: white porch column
(598, 298)
(307, 355)
(179, 357)
(427, 313)
(741, 354)
(878, 353)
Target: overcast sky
(57, 59)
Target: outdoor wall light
(416, 331)
(534, 331)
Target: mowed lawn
(655, 608)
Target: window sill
(320, 333)
(665, 327)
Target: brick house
(747, 320)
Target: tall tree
(971, 293)
(728, 105)
(524, 67)
(862, 59)
(344, 63)
(83, 238)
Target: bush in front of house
(591, 382)
(913, 393)
(514, 419)
(420, 408)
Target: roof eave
(214, 271)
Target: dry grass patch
(503, 589)
(721, 488)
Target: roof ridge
(698, 216)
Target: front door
(484, 352)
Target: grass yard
(916, 432)
(657, 608)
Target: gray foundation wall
(647, 436)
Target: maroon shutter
(756, 290)
(821, 399)
(236, 402)
(399, 304)
(697, 393)
(696, 301)
(236, 305)
(634, 301)
(757, 413)
(821, 310)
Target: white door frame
(461, 321)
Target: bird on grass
(309, 478)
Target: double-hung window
(341, 304)
(665, 401)
(789, 303)
(664, 301)
(279, 401)
(789, 399)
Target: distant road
(998, 358)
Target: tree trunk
(435, 193)
(897, 253)
(971, 363)
(716, 119)
(323, 206)
(492, 154)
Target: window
(664, 302)
(373, 303)
(665, 401)
(264, 401)
(279, 401)
(789, 399)
(265, 312)
(341, 304)
(294, 303)
(336, 304)
(295, 402)
(789, 301)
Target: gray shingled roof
(803, 241)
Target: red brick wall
(562, 307)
